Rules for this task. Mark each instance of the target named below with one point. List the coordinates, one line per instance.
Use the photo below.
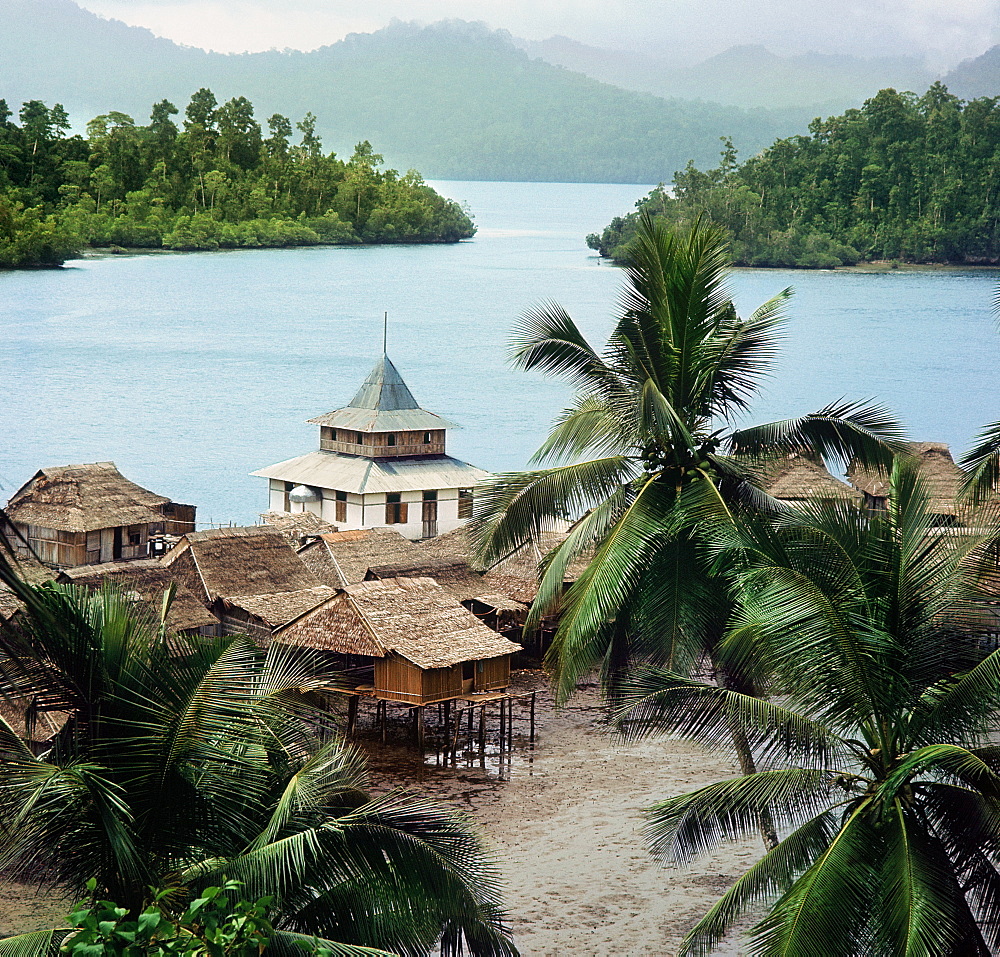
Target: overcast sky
(943, 31)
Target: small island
(906, 178)
(214, 181)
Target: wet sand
(565, 820)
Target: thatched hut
(421, 644)
(147, 581)
(469, 587)
(89, 514)
(801, 477)
(250, 577)
(941, 477)
(297, 527)
(343, 558)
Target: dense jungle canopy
(213, 179)
(906, 177)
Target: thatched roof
(454, 577)
(84, 498)
(343, 558)
(149, 579)
(282, 607)
(413, 617)
(799, 477)
(46, 723)
(941, 477)
(297, 526)
(224, 562)
(10, 604)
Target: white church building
(381, 461)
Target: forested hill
(911, 178)
(454, 100)
(745, 76)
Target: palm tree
(182, 764)
(648, 454)
(879, 766)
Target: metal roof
(384, 403)
(346, 473)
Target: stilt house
(406, 639)
(802, 477)
(381, 462)
(90, 514)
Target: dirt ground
(563, 819)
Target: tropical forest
(212, 179)
(906, 178)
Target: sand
(563, 819)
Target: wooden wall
(495, 674)
(400, 680)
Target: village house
(941, 477)
(381, 461)
(407, 640)
(250, 578)
(799, 477)
(91, 514)
(147, 581)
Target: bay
(191, 370)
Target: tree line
(214, 178)
(906, 177)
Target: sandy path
(565, 825)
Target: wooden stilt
(420, 728)
(503, 717)
(352, 714)
(482, 730)
(382, 705)
(531, 736)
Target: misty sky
(943, 31)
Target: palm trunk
(741, 745)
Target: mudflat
(564, 820)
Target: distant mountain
(976, 77)
(454, 100)
(745, 76)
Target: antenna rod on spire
(385, 332)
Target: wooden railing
(381, 451)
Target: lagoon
(190, 370)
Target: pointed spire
(384, 390)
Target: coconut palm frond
(770, 877)
(682, 827)
(742, 352)
(513, 510)
(547, 338)
(39, 943)
(586, 428)
(657, 701)
(846, 431)
(924, 910)
(803, 923)
(982, 465)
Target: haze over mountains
(454, 99)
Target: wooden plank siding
(376, 444)
(400, 680)
(495, 674)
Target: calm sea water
(191, 370)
